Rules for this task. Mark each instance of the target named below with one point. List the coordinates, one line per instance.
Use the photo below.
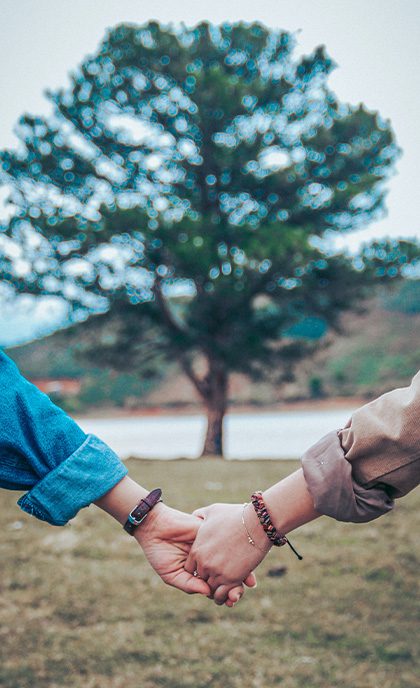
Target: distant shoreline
(196, 409)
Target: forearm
(35, 435)
(42, 449)
(121, 499)
(289, 503)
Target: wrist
(255, 529)
(278, 514)
(289, 503)
(152, 524)
(275, 536)
(121, 499)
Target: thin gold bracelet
(250, 538)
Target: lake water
(274, 435)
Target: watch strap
(140, 511)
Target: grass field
(80, 607)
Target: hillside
(375, 352)
(57, 356)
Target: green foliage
(104, 388)
(381, 351)
(308, 328)
(52, 357)
(369, 368)
(208, 163)
(71, 353)
(406, 299)
(316, 388)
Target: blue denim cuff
(85, 476)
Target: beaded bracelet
(278, 539)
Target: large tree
(186, 182)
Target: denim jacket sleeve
(44, 451)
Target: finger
(190, 584)
(234, 595)
(251, 580)
(221, 593)
(196, 586)
(202, 572)
(215, 582)
(190, 564)
(202, 512)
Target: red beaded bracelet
(270, 530)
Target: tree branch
(174, 325)
(200, 384)
(167, 314)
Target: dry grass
(80, 607)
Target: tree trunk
(213, 443)
(216, 402)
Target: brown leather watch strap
(139, 513)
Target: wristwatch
(139, 513)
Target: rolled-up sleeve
(355, 473)
(44, 451)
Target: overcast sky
(376, 44)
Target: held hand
(166, 537)
(222, 554)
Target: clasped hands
(207, 552)
(215, 550)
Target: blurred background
(262, 180)
(209, 247)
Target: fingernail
(255, 585)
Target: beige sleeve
(382, 440)
(354, 474)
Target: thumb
(190, 584)
(202, 512)
(190, 564)
(251, 580)
(196, 586)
